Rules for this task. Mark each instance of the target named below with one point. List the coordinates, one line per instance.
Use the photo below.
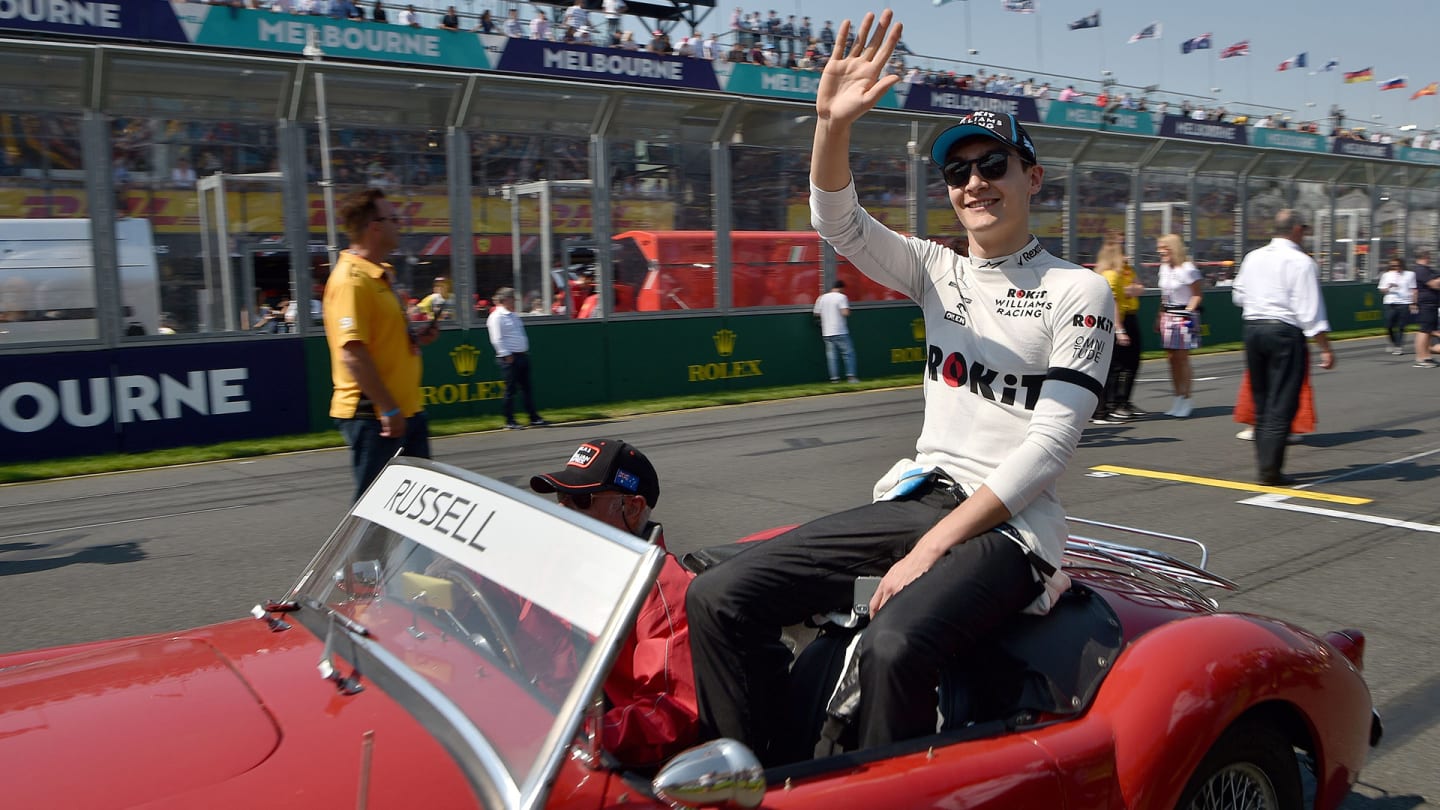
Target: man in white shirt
(512, 352)
(833, 308)
(1398, 287)
(1278, 288)
(540, 26)
(970, 531)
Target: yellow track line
(1225, 484)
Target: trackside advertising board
(151, 20)
(145, 398)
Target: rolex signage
(724, 341)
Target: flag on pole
(1397, 83)
(1330, 65)
(1241, 48)
(943, 2)
(1022, 6)
(1151, 31)
(1200, 43)
(1362, 75)
(1093, 21)
(1296, 61)
(1428, 90)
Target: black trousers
(1124, 365)
(738, 608)
(1276, 355)
(517, 378)
(1396, 317)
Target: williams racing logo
(996, 385)
(725, 341)
(1023, 303)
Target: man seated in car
(650, 692)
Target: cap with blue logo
(601, 465)
(1002, 127)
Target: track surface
(161, 550)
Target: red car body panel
(235, 715)
(309, 755)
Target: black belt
(1269, 322)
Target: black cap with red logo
(603, 465)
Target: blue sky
(1393, 37)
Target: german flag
(1357, 76)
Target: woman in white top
(1179, 320)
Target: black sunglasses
(992, 166)
(580, 500)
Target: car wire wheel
(1241, 786)
(1251, 767)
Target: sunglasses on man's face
(580, 500)
(991, 165)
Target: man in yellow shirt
(374, 357)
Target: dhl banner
(177, 211)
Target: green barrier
(1350, 306)
(595, 362)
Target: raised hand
(855, 81)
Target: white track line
(1281, 502)
(118, 522)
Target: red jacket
(652, 686)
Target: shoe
(1246, 435)
(1122, 413)
(1104, 419)
(1134, 411)
(1423, 364)
(1277, 480)
(539, 423)
(853, 379)
(1174, 406)
(834, 379)
(514, 426)
(1397, 351)
(1182, 408)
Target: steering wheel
(492, 630)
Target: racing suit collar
(1023, 257)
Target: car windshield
(505, 604)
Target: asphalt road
(161, 550)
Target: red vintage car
(395, 674)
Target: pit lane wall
(62, 404)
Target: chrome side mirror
(722, 773)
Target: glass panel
(1179, 155)
(520, 137)
(410, 165)
(1342, 240)
(396, 100)
(193, 88)
(662, 194)
(50, 81)
(1164, 209)
(1265, 198)
(1216, 209)
(1116, 150)
(1389, 228)
(1050, 208)
(880, 165)
(1423, 227)
(158, 164)
(1228, 160)
(1277, 163)
(47, 262)
(1104, 196)
(1056, 145)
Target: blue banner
(1175, 126)
(1365, 149)
(941, 100)
(145, 398)
(126, 19)
(590, 63)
